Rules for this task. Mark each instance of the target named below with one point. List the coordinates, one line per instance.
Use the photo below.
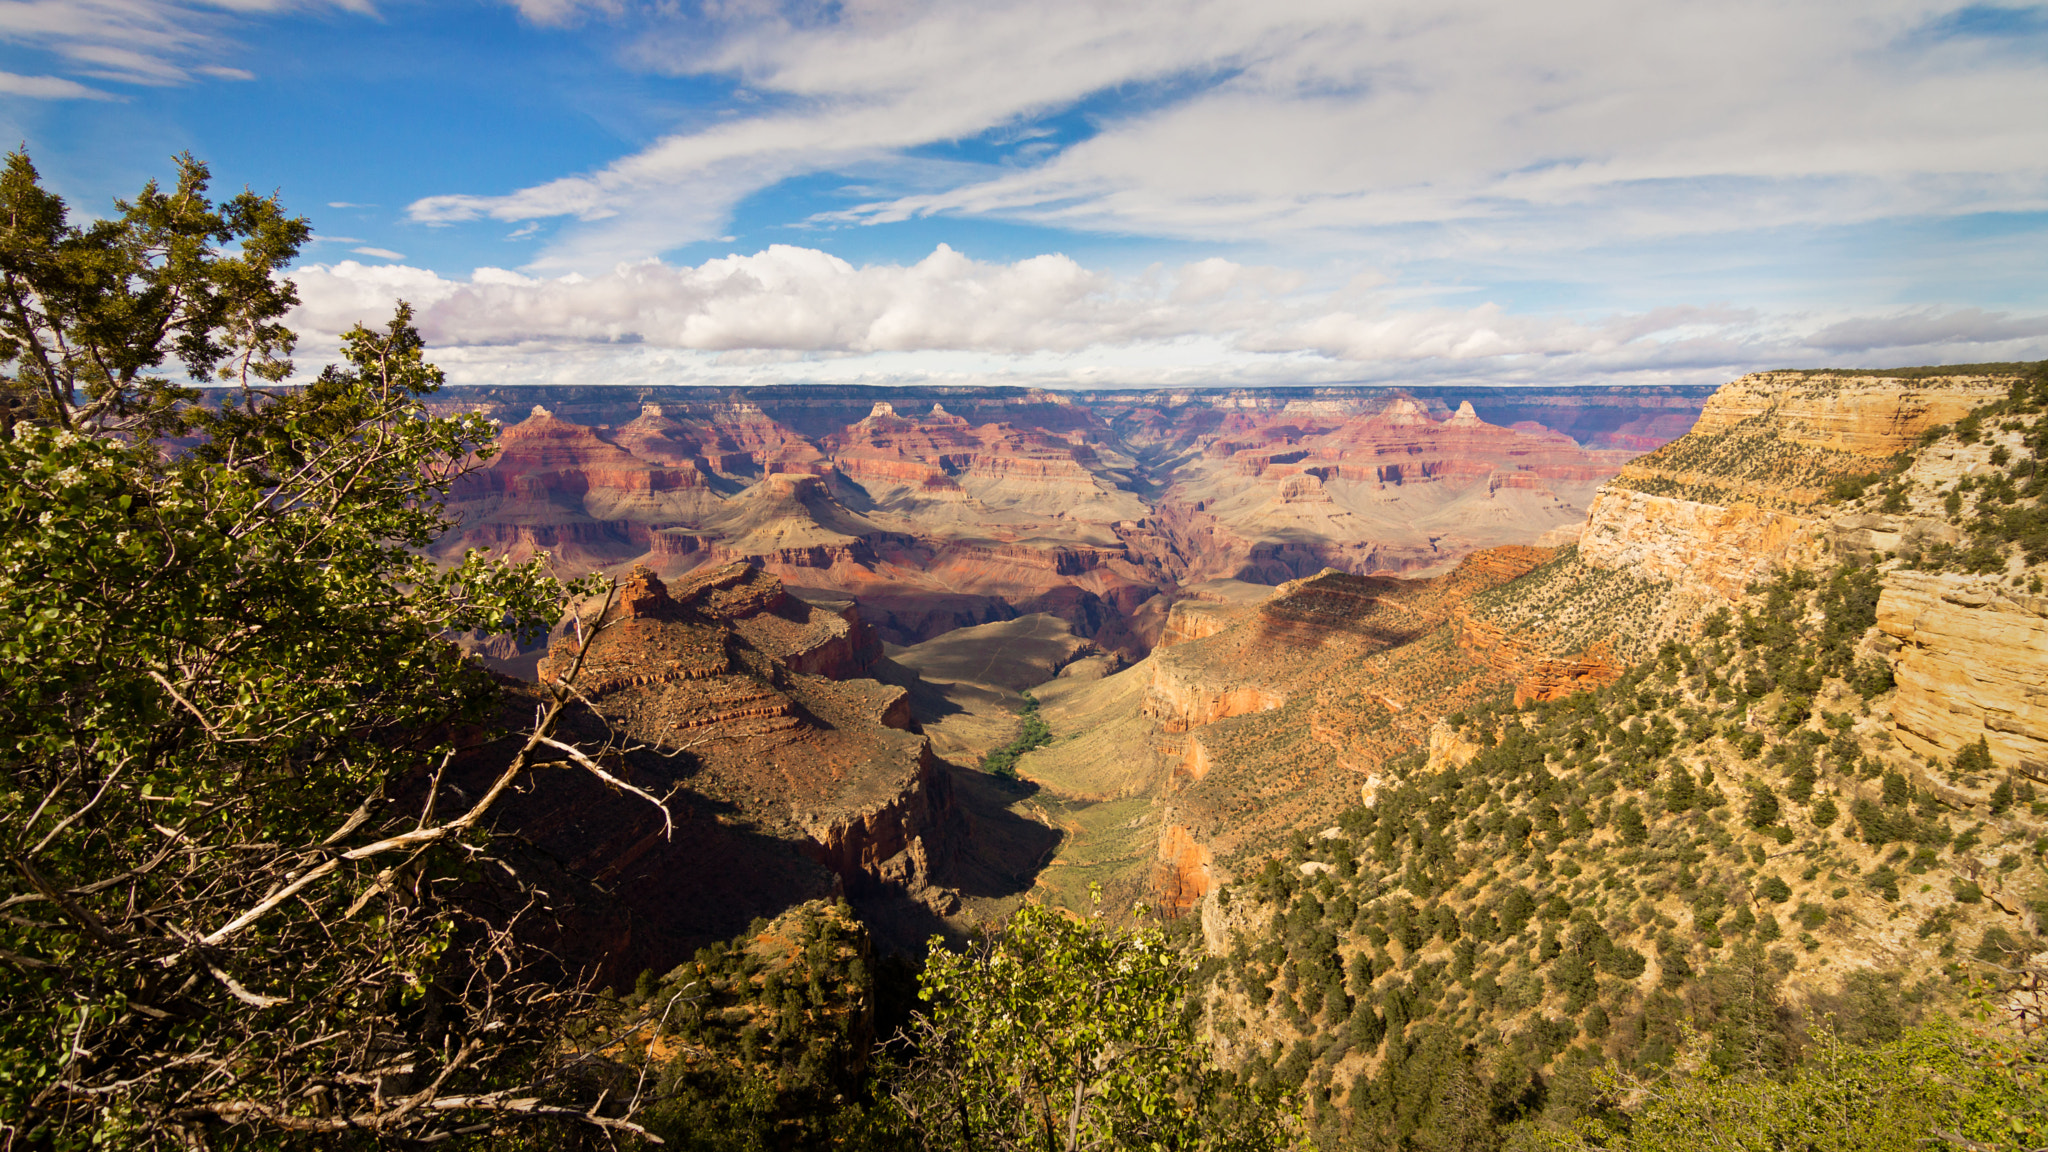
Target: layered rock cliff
(1392, 489)
(1970, 655)
(789, 774)
(1815, 469)
(1748, 488)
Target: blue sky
(1156, 192)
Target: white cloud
(1328, 119)
(1928, 326)
(561, 12)
(147, 42)
(48, 88)
(379, 253)
(788, 314)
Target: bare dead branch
(253, 999)
(616, 784)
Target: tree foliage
(1063, 1034)
(90, 313)
(1935, 1086)
(1032, 732)
(234, 896)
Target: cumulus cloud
(784, 298)
(790, 313)
(1521, 123)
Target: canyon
(831, 603)
(1241, 617)
(945, 508)
(1275, 715)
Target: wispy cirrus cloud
(1925, 326)
(153, 43)
(1319, 122)
(48, 88)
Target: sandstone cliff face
(1971, 660)
(1185, 695)
(1180, 876)
(1745, 491)
(1523, 655)
(1197, 619)
(1722, 549)
(1969, 653)
(1871, 416)
(1448, 749)
(1554, 678)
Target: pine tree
(1629, 821)
(1974, 760)
(1763, 806)
(218, 668)
(1896, 791)
(1682, 794)
(2001, 797)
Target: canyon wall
(1969, 652)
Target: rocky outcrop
(723, 667)
(1970, 657)
(1555, 678)
(1868, 537)
(1497, 647)
(1746, 490)
(1448, 749)
(1180, 876)
(823, 638)
(1719, 548)
(1185, 695)
(888, 842)
(1194, 620)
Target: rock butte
(791, 772)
